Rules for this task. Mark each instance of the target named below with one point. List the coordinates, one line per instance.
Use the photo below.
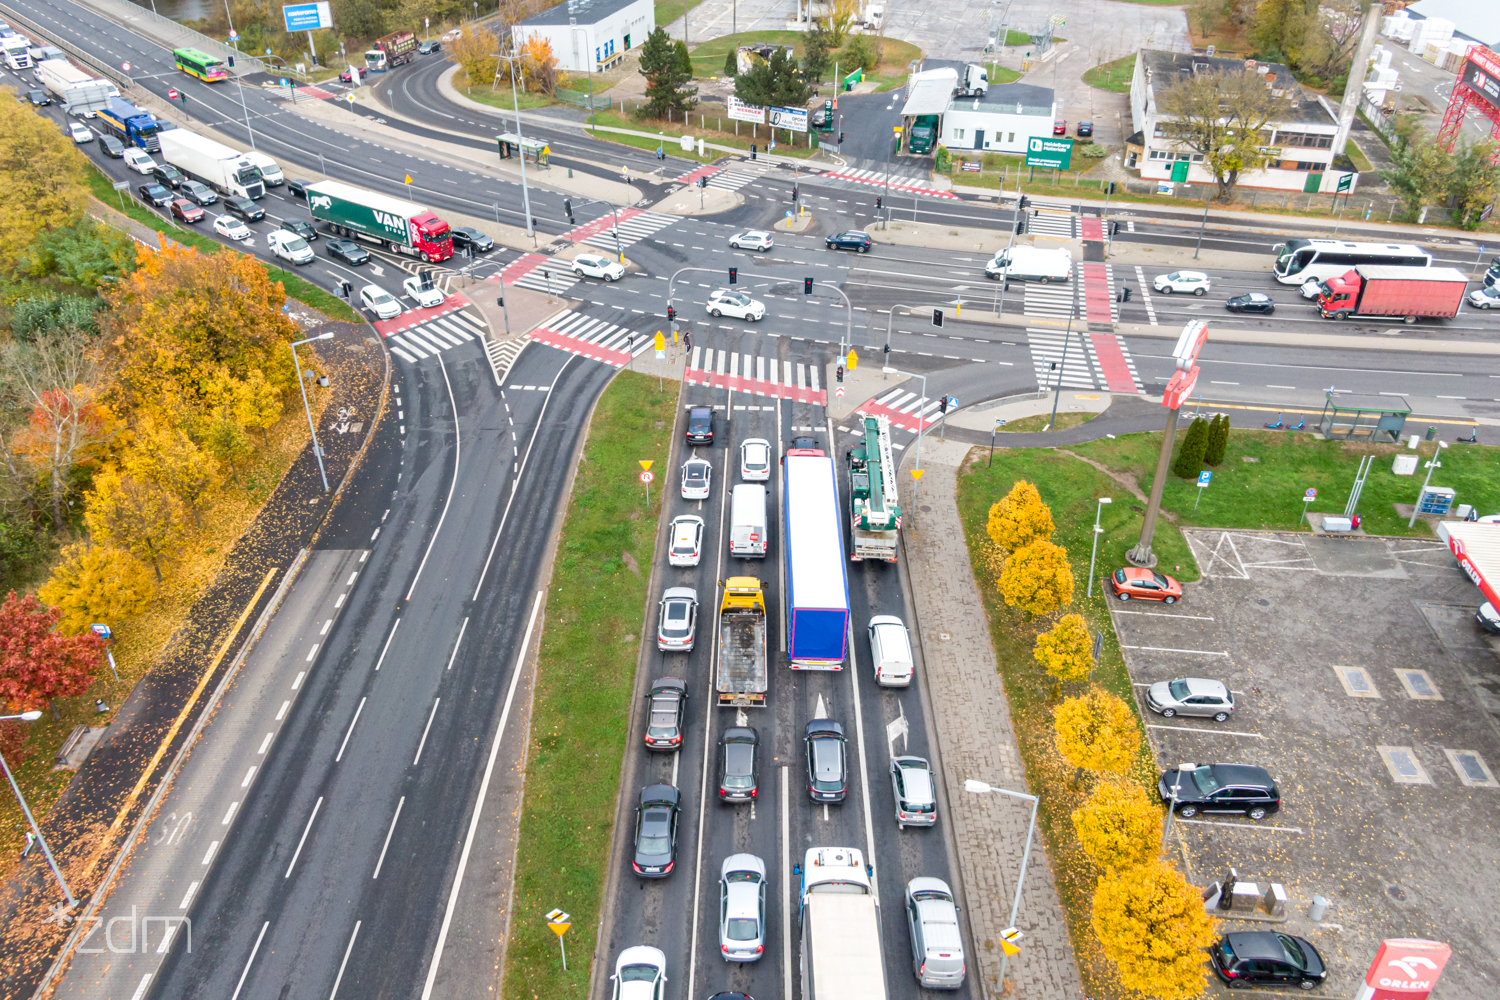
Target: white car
(1182, 281)
(742, 908)
(80, 133)
(686, 545)
(728, 302)
(230, 227)
(640, 974)
(1485, 298)
(755, 239)
(139, 160)
(380, 302)
(1311, 288)
(697, 475)
(755, 460)
(594, 266)
(423, 294)
(289, 246)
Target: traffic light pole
(844, 344)
(568, 208)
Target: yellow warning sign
(646, 464)
(661, 342)
(1005, 946)
(853, 360)
(916, 473)
(408, 179)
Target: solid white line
(456, 642)
(1240, 826)
(786, 889)
(1163, 614)
(452, 488)
(432, 715)
(350, 733)
(386, 846)
(340, 977)
(240, 985)
(305, 830)
(484, 786)
(1167, 649)
(394, 625)
(140, 990)
(1216, 732)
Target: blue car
(855, 239)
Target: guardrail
(37, 31)
(123, 11)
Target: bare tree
(1224, 118)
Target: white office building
(1001, 121)
(590, 35)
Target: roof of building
(1161, 66)
(584, 11)
(928, 92)
(1479, 21)
(1013, 99)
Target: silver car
(677, 628)
(1191, 696)
(742, 908)
(937, 946)
(755, 239)
(911, 781)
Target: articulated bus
(1298, 260)
(205, 67)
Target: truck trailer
(817, 588)
(1381, 291)
(398, 225)
(840, 917)
(226, 170)
(742, 679)
(130, 125)
(874, 514)
(77, 92)
(395, 49)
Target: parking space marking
(1164, 614)
(1168, 649)
(1216, 732)
(1241, 826)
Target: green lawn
(1112, 76)
(500, 97)
(1004, 74)
(585, 678)
(1041, 422)
(1014, 37)
(708, 57)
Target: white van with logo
(890, 648)
(747, 521)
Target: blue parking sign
(1205, 477)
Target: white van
(1041, 264)
(269, 171)
(747, 521)
(890, 649)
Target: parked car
(1267, 958)
(911, 783)
(1485, 298)
(1487, 618)
(853, 239)
(297, 189)
(80, 133)
(1085, 128)
(700, 425)
(697, 478)
(685, 540)
(465, 237)
(666, 708)
(1060, 127)
(289, 247)
(1251, 302)
(232, 228)
(1195, 282)
(186, 211)
(380, 302)
(742, 908)
(199, 192)
(677, 623)
(1221, 788)
(755, 460)
(139, 160)
(1191, 696)
(111, 147)
(755, 239)
(168, 175)
(937, 944)
(423, 292)
(739, 753)
(348, 251)
(244, 208)
(154, 194)
(656, 831)
(430, 46)
(735, 303)
(306, 230)
(592, 265)
(827, 761)
(640, 974)
(1145, 585)
(1311, 288)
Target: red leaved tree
(38, 663)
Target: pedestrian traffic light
(734, 274)
(568, 209)
(937, 317)
(1022, 202)
(671, 313)
(703, 182)
(752, 151)
(794, 192)
(943, 404)
(806, 286)
(838, 373)
(841, 138)
(1020, 224)
(877, 204)
(887, 350)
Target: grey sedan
(1191, 696)
(656, 831)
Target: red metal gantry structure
(1477, 88)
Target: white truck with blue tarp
(817, 588)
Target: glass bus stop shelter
(1348, 415)
(535, 150)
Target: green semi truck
(400, 226)
(924, 134)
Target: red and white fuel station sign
(1404, 969)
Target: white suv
(289, 246)
(1182, 281)
(728, 302)
(686, 545)
(594, 266)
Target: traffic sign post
(102, 631)
(1010, 941)
(646, 477)
(1307, 498)
(661, 355)
(559, 922)
(1204, 478)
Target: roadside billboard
(742, 112)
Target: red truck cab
(1382, 291)
(435, 237)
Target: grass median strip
(585, 676)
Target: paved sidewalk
(977, 741)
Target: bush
(1037, 579)
(859, 52)
(1189, 460)
(944, 160)
(731, 65)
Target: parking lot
(1363, 685)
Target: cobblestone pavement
(973, 722)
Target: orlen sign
(1404, 969)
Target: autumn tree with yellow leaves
(1019, 518)
(169, 459)
(1119, 826)
(1066, 651)
(46, 185)
(136, 515)
(1037, 578)
(1096, 731)
(1152, 924)
(96, 583)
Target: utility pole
(1358, 70)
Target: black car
(1221, 788)
(348, 251)
(656, 831)
(806, 444)
(428, 47)
(110, 146)
(1085, 128)
(1253, 302)
(465, 237)
(168, 175)
(244, 208)
(154, 194)
(700, 425)
(297, 189)
(1266, 958)
(38, 98)
(199, 192)
(666, 705)
(306, 230)
(854, 239)
(739, 752)
(827, 761)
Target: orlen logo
(1407, 968)
(319, 200)
(1411, 967)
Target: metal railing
(37, 31)
(582, 100)
(122, 10)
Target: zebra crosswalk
(592, 338)
(758, 376)
(432, 335)
(538, 272)
(1053, 223)
(635, 225)
(1048, 300)
(1081, 360)
(905, 409)
(878, 178)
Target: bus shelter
(1349, 415)
(511, 145)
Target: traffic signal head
(877, 202)
(671, 313)
(734, 274)
(1021, 224)
(839, 373)
(943, 404)
(937, 317)
(231, 62)
(794, 192)
(703, 182)
(568, 208)
(806, 286)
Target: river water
(177, 10)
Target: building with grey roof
(590, 35)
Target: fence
(1361, 206)
(123, 11)
(595, 102)
(38, 32)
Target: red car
(1060, 127)
(186, 211)
(1145, 585)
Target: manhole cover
(926, 509)
(1263, 603)
(1396, 892)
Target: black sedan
(464, 237)
(154, 194)
(167, 174)
(297, 189)
(827, 761)
(244, 208)
(306, 230)
(656, 831)
(1267, 958)
(700, 425)
(854, 239)
(1221, 788)
(1253, 302)
(348, 251)
(666, 705)
(739, 750)
(428, 47)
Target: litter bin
(1317, 909)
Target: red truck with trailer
(1381, 291)
(390, 51)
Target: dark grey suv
(700, 425)
(827, 761)
(656, 831)
(1221, 788)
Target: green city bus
(204, 67)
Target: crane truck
(875, 516)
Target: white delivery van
(747, 521)
(1031, 264)
(269, 171)
(890, 649)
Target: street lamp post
(1097, 532)
(1166, 828)
(32, 716)
(573, 23)
(1431, 465)
(317, 451)
(980, 788)
(525, 193)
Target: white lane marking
(452, 488)
(187, 899)
(1240, 826)
(339, 602)
(1164, 614)
(312, 652)
(297, 682)
(1216, 732)
(388, 834)
(395, 625)
(140, 990)
(1168, 649)
(357, 710)
(326, 624)
(249, 776)
(266, 743)
(234, 807)
(352, 577)
(340, 977)
(786, 889)
(305, 831)
(457, 641)
(249, 961)
(432, 715)
(209, 856)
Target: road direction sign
(648, 476)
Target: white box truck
(1031, 264)
(225, 170)
(77, 92)
(747, 521)
(270, 172)
(840, 916)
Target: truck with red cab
(1381, 291)
(390, 51)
